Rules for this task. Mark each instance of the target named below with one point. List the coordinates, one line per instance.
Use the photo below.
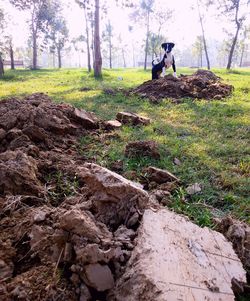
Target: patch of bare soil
(202, 84)
(68, 228)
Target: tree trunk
(59, 57)
(238, 25)
(87, 40)
(92, 38)
(110, 53)
(203, 36)
(146, 46)
(34, 65)
(1, 66)
(97, 46)
(12, 63)
(123, 57)
(242, 54)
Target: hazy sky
(182, 29)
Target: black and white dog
(166, 62)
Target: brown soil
(67, 227)
(63, 221)
(202, 84)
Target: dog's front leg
(163, 72)
(174, 68)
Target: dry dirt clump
(67, 227)
(202, 84)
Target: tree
(197, 50)
(201, 18)
(243, 45)
(107, 37)
(236, 12)
(87, 8)
(58, 34)
(2, 21)
(97, 42)
(41, 13)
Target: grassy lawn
(210, 138)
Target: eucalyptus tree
(41, 14)
(235, 11)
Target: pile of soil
(67, 227)
(202, 84)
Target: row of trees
(48, 27)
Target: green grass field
(210, 138)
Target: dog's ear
(164, 46)
(172, 45)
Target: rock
(160, 176)
(85, 293)
(142, 149)
(175, 259)
(134, 219)
(99, 277)
(35, 133)
(117, 166)
(21, 141)
(40, 216)
(18, 174)
(93, 254)
(2, 134)
(6, 270)
(112, 125)
(124, 234)
(112, 195)
(82, 223)
(132, 118)
(13, 134)
(193, 189)
(86, 119)
(177, 162)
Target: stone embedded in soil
(193, 189)
(132, 118)
(160, 176)
(114, 198)
(87, 119)
(142, 149)
(175, 259)
(112, 125)
(98, 276)
(83, 223)
(2, 134)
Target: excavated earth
(73, 230)
(202, 84)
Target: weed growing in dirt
(210, 138)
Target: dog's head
(167, 47)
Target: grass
(210, 138)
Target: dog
(166, 62)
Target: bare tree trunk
(123, 57)
(110, 46)
(203, 36)
(242, 54)
(34, 65)
(146, 46)
(59, 57)
(92, 38)
(1, 66)
(238, 25)
(12, 63)
(87, 40)
(97, 49)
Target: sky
(182, 28)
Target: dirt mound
(202, 84)
(67, 227)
